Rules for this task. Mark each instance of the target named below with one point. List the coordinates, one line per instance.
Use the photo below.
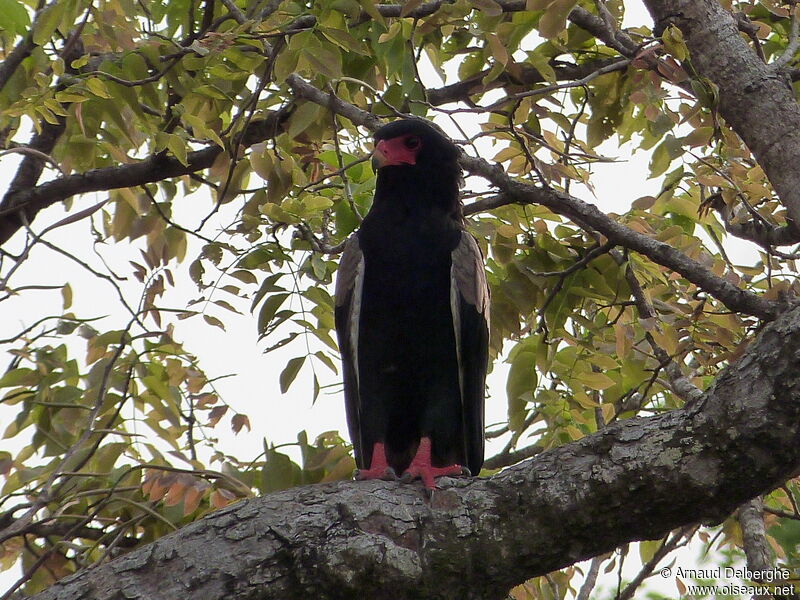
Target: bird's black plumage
(412, 314)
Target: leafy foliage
(116, 418)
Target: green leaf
(214, 321)
(316, 203)
(542, 64)
(47, 22)
(244, 276)
(268, 285)
(268, 310)
(14, 17)
(21, 376)
(490, 7)
(522, 379)
(343, 39)
(177, 146)
(261, 161)
(369, 7)
(301, 118)
(325, 59)
(595, 381)
(290, 372)
(279, 472)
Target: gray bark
(634, 480)
(756, 99)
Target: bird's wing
(349, 282)
(469, 301)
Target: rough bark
(634, 480)
(756, 99)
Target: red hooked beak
(393, 152)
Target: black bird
(412, 311)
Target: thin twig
(235, 12)
(794, 41)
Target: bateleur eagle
(412, 311)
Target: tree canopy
(209, 158)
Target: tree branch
(513, 191)
(528, 76)
(155, 168)
(634, 480)
(756, 230)
(755, 99)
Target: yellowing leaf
(97, 87)
(574, 433)
(394, 29)
(624, 339)
(681, 586)
(66, 294)
(554, 20)
(644, 203)
(673, 41)
(595, 381)
(497, 49)
(175, 493)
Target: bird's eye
(412, 142)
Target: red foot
(421, 468)
(379, 467)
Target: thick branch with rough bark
(634, 480)
(756, 99)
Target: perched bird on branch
(412, 311)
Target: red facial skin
(401, 150)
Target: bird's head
(416, 163)
(413, 142)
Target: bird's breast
(407, 261)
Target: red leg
(379, 467)
(421, 467)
